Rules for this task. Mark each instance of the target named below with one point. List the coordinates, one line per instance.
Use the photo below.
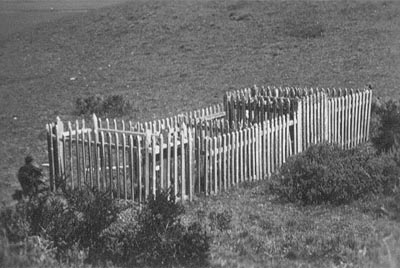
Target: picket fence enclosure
(247, 138)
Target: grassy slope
(266, 233)
(169, 56)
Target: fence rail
(206, 151)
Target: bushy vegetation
(157, 238)
(327, 174)
(385, 124)
(113, 105)
(71, 221)
(88, 226)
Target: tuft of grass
(113, 105)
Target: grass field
(172, 56)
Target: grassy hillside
(170, 56)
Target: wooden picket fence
(205, 151)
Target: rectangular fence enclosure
(207, 151)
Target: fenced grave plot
(207, 151)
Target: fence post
(96, 152)
(326, 117)
(51, 154)
(58, 156)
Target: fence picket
(183, 136)
(190, 163)
(131, 167)
(153, 165)
(139, 168)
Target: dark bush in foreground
(113, 105)
(162, 240)
(72, 222)
(385, 124)
(156, 239)
(327, 174)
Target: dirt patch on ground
(171, 56)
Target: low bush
(162, 240)
(327, 174)
(113, 105)
(72, 221)
(155, 237)
(385, 124)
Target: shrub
(114, 105)
(72, 221)
(385, 124)
(327, 174)
(15, 223)
(162, 240)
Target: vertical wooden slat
(357, 121)
(175, 148)
(362, 116)
(139, 168)
(50, 144)
(369, 100)
(327, 118)
(110, 165)
(253, 153)
(78, 167)
(273, 144)
(348, 120)
(246, 134)
(83, 145)
(153, 165)
(124, 162)
(264, 149)
(341, 120)
(96, 150)
(64, 160)
(229, 154)
(307, 127)
(183, 137)
(190, 162)
(258, 146)
(103, 179)
(90, 157)
(284, 139)
(300, 130)
(169, 160)
(147, 140)
(235, 163)
(268, 147)
(71, 172)
(131, 167)
(243, 159)
(198, 164)
(208, 165)
(117, 161)
(219, 159)
(214, 177)
(162, 168)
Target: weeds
(327, 174)
(113, 105)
